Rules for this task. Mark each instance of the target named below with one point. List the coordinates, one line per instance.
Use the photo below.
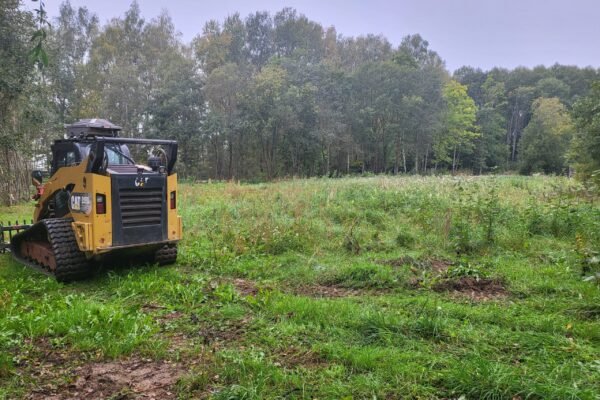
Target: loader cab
(66, 154)
(78, 141)
(118, 155)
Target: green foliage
(362, 276)
(584, 148)
(465, 268)
(265, 301)
(552, 87)
(431, 323)
(482, 206)
(460, 129)
(225, 293)
(490, 148)
(404, 239)
(38, 53)
(271, 96)
(546, 138)
(26, 114)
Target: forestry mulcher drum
(100, 204)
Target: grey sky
(479, 33)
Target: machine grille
(140, 206)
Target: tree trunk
(416, 162)
(230, 168)
(348, 163)
(327, 166)
(396, 156)
(454, 160)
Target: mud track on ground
(478, 289)
(134, 378)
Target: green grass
(249, 309)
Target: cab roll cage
(97, 150)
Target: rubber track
(166, 254)
(71, 263)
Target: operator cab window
(65, 155)
(66, 159)
(117, 155)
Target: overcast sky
(480, 33)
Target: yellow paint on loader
(76, 225)
(93, 231)
(175, 227)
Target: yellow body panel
(101, 223)
(94, 231)
(174, 229)
(83, 234)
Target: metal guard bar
(99, 141)
(6, 233)
(110, 139)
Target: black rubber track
(71, 263)
(166, 254)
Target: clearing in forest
(378, 287)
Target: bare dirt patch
(230, 332)
(126, 379)
(439, 266)
(171, 316)
(421, 264)
(160, 314)
(481, 289)
(245, 287)
(329, 291)
(293, 357)
(150, 307)
(40, 351)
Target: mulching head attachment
(8, 230)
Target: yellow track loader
(100, 203)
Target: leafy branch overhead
(38, 54)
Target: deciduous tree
(546, 138)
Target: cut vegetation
(376, 287)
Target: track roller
(166, 255)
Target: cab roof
(92, 127)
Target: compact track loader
(99, 204)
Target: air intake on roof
(92, 127)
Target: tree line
(267, 96)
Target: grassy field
(358, 288)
